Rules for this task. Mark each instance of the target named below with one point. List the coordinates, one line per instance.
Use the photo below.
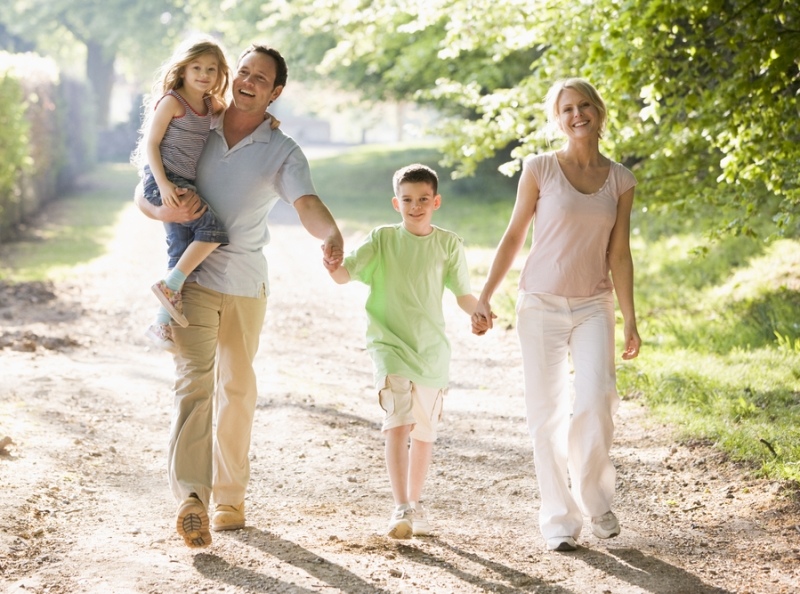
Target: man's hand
(190, 208)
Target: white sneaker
(420, 526)
(605, 526)
(400, 525)
(561, 544)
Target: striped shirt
(184, 139)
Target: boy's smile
(416, 203)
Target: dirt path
(84, 504)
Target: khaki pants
(215, 395)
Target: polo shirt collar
(261, 134)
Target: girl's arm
(510, 244)
(168, 107)
(620, 263)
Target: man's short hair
(415, 173)
(282, 71)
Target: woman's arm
(511, 243)
(620, 262)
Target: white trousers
(571, 437)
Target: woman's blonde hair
(169, 77)
(583, 87)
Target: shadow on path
(216, 568)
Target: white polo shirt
(241, 185)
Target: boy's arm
(469, 303)
(340, 275)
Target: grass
(721, 331)
(76, 230)
(721, 359)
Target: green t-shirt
(407, 275)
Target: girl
(189, 90)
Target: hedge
(45, 132)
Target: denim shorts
(179, 235)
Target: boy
(407, 267)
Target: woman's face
(577, 115)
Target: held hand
(483, 311)
(481, 324)
(332, 254)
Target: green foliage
(77, 230)
(140, 33)
(721, 354)
(357, 186)
(14, 131)
(703, 94)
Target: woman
(580, 202)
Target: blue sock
(175, 279)
(163, 317)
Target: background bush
(45, 136)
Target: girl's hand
(275, 121)
(171, 195)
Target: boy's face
(416, 203)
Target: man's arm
(191, 207)
(319, 222)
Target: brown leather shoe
(192, 523)
(228, 517)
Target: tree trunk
(100, 72)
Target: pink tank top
(571, 231)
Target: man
(244, 168)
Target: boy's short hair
(415, 173)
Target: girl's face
(577, 116)
(200, 75)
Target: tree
(105, 29)
(703, 94)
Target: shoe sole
(176, 315)
(192, 525)
(600, 533)
(565, 547)
(402, 531)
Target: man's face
(254, 83)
